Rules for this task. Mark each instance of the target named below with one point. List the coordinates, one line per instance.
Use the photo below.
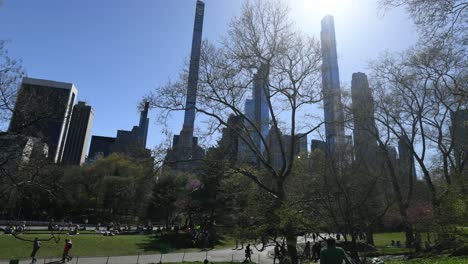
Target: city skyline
(127, 92)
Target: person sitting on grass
(332, 254)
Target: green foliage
(166, 191)
(112, 188)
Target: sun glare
(324, 7)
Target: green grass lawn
(432, 260)
(97, 245)
(383, 240)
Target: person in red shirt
(66, 250)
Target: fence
(236, 256)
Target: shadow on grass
(171, 242)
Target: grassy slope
(95, 245)
(432, 260)
(383, 240)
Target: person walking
(277, 253)
(66, 251)
(36, 247)
(333, 254)
(306, 253)
(316, 251)
(248, 254)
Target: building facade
(185, 153)
(78, 134)
(365, 131)
(333, 108)
(131, 143)
(43, 110)
(100, 147)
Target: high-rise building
(100, 147)
(365, 131)
(131, 143)
(230, 138)
(333, 108)
(185, 153)
(261, 109)
(78, 134)
(299, 144)
(42, 110)
(406, 165)
(257, 112)
(143, 125)
(318, 145)
(17, 151)
(186, 135)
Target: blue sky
(115, 51)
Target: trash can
(14, 261)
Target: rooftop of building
(48, 83)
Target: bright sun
(324, 7)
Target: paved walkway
(222, 255)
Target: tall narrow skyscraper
(260, 94)
(333, 109)
(42, 110)
(365, 131)
(78, 134)
(185, 150)
(257, 111)
(186, 135)
(143, 125)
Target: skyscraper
(365, 131)
(406, 165)
(42, 110)
(261, 109)
(78, 134)
(131, 143)
(143, 125)
(185, 150)
(257, 112)
(186, 135)
(230, 137)
(333, 109)
(100, 147)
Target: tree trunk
(354, 252)
(409, 234)
(291, 242)
(370, 236)
(167, 218)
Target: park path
(221, 255)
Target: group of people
(15, 229)
(395, 244)
(200, 236)
(329, 255)
(65, 255)
(312, 253)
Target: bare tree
(415, 102)
(261, 48)
(441, 23)
(435, 18)
(11, 73)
